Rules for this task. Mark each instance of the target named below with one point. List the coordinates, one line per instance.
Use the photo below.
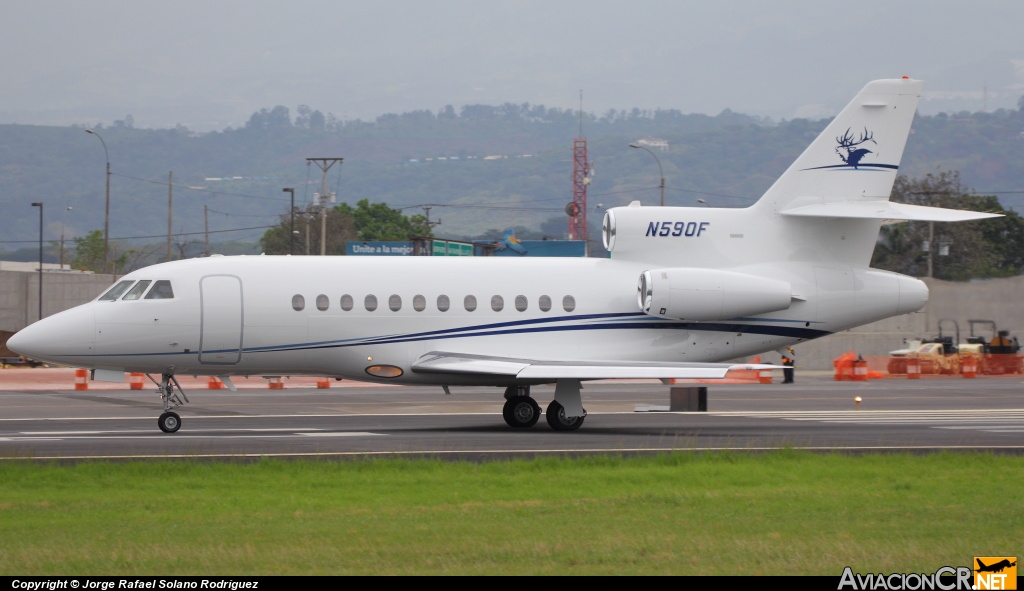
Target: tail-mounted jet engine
(709, 294)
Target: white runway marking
(340, 434)
(987, 420)
(155, 435)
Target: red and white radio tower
(577, 210)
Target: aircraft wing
(883, 209)
(464, 363)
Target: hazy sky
(208, 64)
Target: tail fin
(857, 156)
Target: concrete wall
(997, 299)
(19, 294)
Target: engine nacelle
(709, 294)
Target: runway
(363, 421)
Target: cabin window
(370, 302)
(419, 303)
(497, 303)
(521, 303)
(395, 302)
(470, 303)
(568, 303)
(443, 303)
(544, 303)
(115, 292)
(137, 291)
(298, 302)
(161, 291)
(322, 302)
(346, 302)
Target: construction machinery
(996, 353)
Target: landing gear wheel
(521, 412)
(558, 421)
(169, 422)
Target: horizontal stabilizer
(527, 369)
(878, 209)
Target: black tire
(559, 422)
(169, 422)
(521, 412)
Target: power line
(495, 207)
(245, 215)
(197, 189)
(158, 235)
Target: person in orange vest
(788, 360)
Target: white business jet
(685, 289)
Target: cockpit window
(115, 292)
(137, 291)
(161, 291)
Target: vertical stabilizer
(858, 154)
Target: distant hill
(484, 167)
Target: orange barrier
(860, 370)
(995, 364)
(913, 368)
(323, 383)
(81, 379)
(764, 376)
(969, 366)
(844, 366)
(958, 366)
(276, 384)
(214, 383)
(135, 380)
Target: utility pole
(323, 224)
(106, 215)
(324, 164)
(931, 247)
(206, 231)
(170, 200)
(40, 206)
(426, 210)
(291, 233)
(306, 217)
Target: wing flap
(530, 369)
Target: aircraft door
(220, 336)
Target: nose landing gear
(169, 421)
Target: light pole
(291, 234)
(63, 218)
(106, 215)
(660, 171)
(40, 206)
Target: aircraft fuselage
(340, 316)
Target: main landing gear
(521, 411)
(169, 421)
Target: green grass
(778, 513)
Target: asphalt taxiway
(361, 420)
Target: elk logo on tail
(853, 153)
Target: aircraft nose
(67, 338)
